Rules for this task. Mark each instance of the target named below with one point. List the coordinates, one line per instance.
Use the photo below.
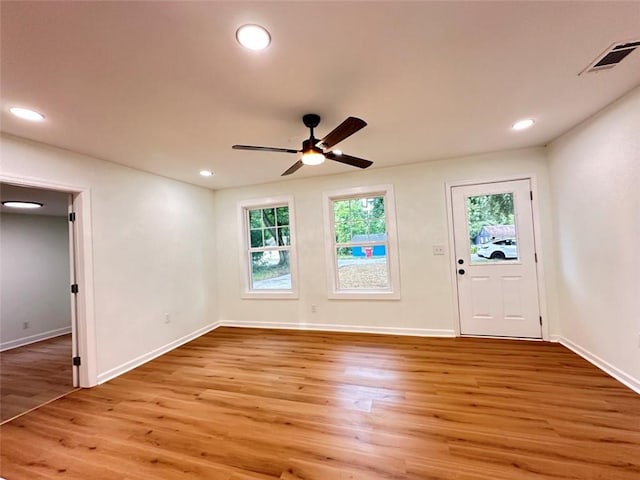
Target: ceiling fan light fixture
(253, 37)
(312, 157)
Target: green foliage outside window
(358, 216)
(269, 227)
(486, 210)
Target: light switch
(438, 249)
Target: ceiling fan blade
(264, 149)
(349, 160)
(347, 128)
(293, 168)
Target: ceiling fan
(315, 151)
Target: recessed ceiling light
(20, 204)
(523, 124)
(253, 37)
(206, 173)
(27, 114)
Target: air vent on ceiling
(612, 56)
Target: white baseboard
(136, 362)
(21, 342)
(328, 327)
(622, 377)
(142, 359)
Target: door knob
(461, 271)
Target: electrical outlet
(167, 318)
(314, 308)
(438, 249)
(25, 325)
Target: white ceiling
(164, 87)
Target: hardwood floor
(34, 374)
(240, 404)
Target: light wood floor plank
(250, 404)
(34, 374)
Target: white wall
(34, 278)
(427, 304)
(595, 173)
(153, 242)
(156, 248)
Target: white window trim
(243, 209)
(393, 291)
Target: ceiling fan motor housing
(311, 120)
(309, 145)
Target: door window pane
(492, 228)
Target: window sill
(353, 295)
(270, 295)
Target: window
(492, 229)
(268, 253)
(362, 258)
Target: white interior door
(74, 305)
(496, 259)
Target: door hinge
(531, 194)
(540, 320)
(535, 256)
(74, 288)
(72, 217)
(76, 361)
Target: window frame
(246, 250)
(392, 292)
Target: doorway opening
(38, 323)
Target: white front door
(496, 259)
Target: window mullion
(270, 249)
(359, 244)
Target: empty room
(319, 240)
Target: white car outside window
(499, 249)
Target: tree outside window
(268, 248)
(362, 256)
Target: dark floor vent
(612, 56)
